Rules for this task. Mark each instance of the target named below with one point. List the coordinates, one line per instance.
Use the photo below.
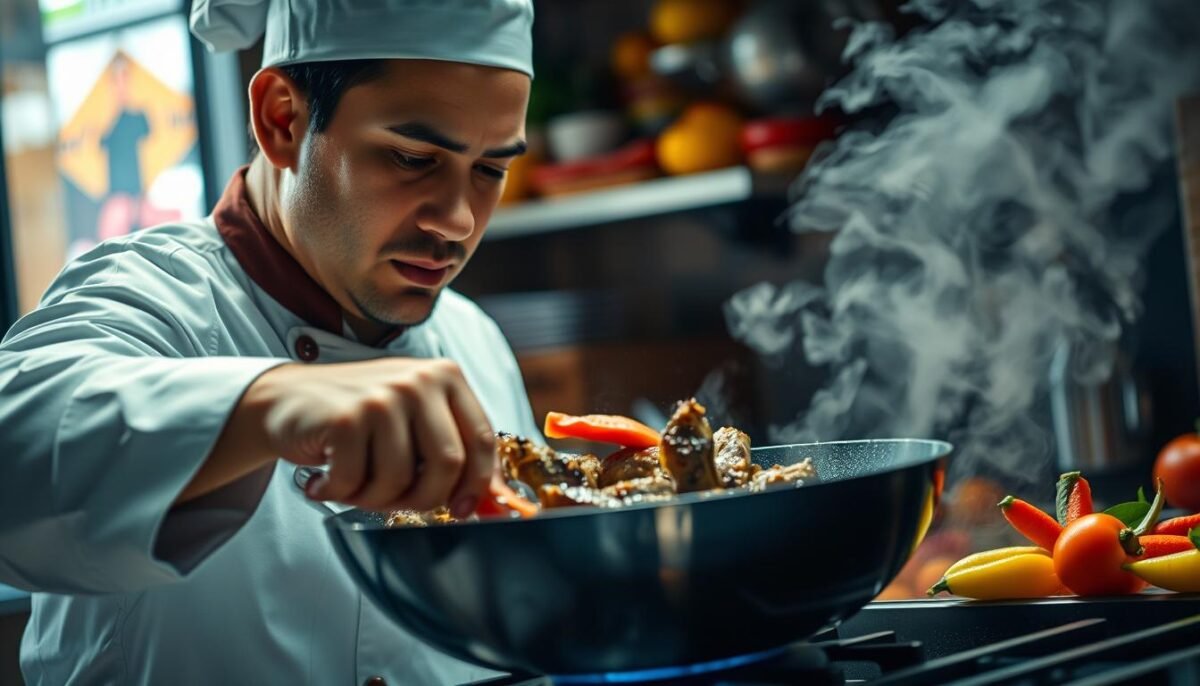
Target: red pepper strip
(1037, 526)
(500, 499)
(1157, 545)
(1179, 526)
(602, 428)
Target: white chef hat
(489, 32)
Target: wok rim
(940, 451)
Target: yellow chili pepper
(987, 556)
(1020, 575)
(1176, 572)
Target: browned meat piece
(539, 465)
(645, 489)
(733, 457)
(413, 518)
(630, 463)
(590, 466)
(795, 474)
(553, 495)
(687, 449)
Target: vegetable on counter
(1092, 551)
(1178, 466)
(1037, 526)
(1176, 572)
(1179, 526)
(1074, 498)
(602, 428)
(1157, 545)
(1005, 573)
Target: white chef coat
(112, 394)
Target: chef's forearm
(241, 448)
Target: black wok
(696, 580)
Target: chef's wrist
(243, 445)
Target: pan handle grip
(301, 477)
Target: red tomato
(1178, 465)
(1088, 557)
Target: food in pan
(686, 457)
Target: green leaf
(1131, 514)
(1142, 495)
(1194, 534)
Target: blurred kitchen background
(628, 261)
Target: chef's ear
(279, 117)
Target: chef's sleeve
(111, 399)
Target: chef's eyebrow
(427, 134)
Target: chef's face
(386, 205)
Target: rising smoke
(975, 227)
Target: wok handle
(301, 477)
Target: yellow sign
(128, 115)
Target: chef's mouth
(426, 274)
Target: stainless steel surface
(1100, 424)
(703, 577)
(781, 55)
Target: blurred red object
(784, 144)
(632, 162)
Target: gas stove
(1152, 638)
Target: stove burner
(673, 674)
(1150, 639)
(807, 663)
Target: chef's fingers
(346, 453)
(441, 452)
(480, 442)
(392, 464)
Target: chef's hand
(395, 432)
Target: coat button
(307, 349)
(375, 681)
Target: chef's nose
(448, 213)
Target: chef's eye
(411, 162)
(490, 171)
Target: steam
(976, 227)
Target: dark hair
(324, 83)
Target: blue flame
(665, 673)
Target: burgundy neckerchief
(272, 267)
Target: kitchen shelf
(632, 201)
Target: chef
(157, 402)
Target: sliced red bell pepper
(602, 428)
(500, 500)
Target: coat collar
(271, 266)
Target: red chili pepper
(1033, 524)
(1179, 526)
(1157, 545)
(1074, 498)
